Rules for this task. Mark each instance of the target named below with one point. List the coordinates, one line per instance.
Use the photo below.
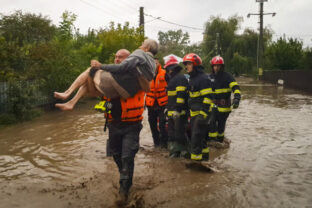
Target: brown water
(58, 160)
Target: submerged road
(59, 159)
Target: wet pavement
(59, 159)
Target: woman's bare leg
(86, 89)
(80, 80)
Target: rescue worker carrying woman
(223, 84)
(200, 104)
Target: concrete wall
(301, 80)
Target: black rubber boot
(205, 156)
(220, 139)
(117, 159)
(126, 176)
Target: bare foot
(61, 95)
(64, 107)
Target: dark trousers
(218, 127)
(123, 144)
(177, 140)
(199, 133)
(177, 130)
(157, 122)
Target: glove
(103, 106)
(175, 115)
(235, 103)
(213, 114)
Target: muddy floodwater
(59, 160)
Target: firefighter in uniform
(200, 104)
(156, 101)
(223, 84)
(177, 110)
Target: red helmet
(170, 61)
(192, 57)
(217, 60)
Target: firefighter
(200, 104)
(223, 84)
(156, 101)
(177, 110)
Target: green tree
(307, 59)
(240, 64)
(66, 26)
(284, 54)
(173, 42)
(114, 38)
(26, 28)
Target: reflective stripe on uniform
(223, 110)
(172, 93)
(170, 113)
(195, 113)
(203, 113)
(205, 150)
(206, 91)
(194, 94)
(196, 157)
(221, 135)
(237, 91)
(224, 90)
(180, 88)
(180, 100)
(207, 100)
(232, 84)
(213, 134)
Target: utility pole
(218, 45)
(260, 49)
(141, 23)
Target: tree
(66, 26)
(284, 54)
(307, 59)
(214, 44)
(26, 28)
(114, 38)
(173, 42)
(239, 64)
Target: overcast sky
(293, 18)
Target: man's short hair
(152, 45)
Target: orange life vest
(158, 90)
(131, 108)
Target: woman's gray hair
(152, 45)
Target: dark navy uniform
(223, 84)
(177, 113)
(200, 104)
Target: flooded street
(59, 160)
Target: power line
(117, 7)
(121, 11)
(103, 10)
(130, 6)
(172, 23)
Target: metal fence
(40, 98)
(301, 80)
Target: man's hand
(235, 103)
(175, 115)
(95, 64)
